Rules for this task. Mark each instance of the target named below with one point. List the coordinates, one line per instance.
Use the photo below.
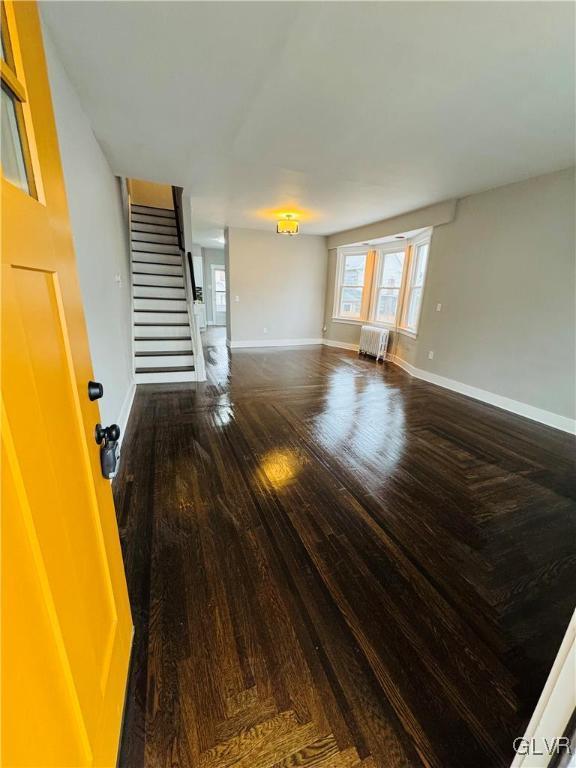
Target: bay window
(382, 284)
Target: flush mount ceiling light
(287, 225)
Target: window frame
(375, 257)
(13, 81)
(382, 251)
(339, 285)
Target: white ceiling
(351, 111)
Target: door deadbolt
(95, 390)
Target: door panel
(66, 629)
(35, 636)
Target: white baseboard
(274, 343)
(341, 345)
(125, 411)
(404, 365)
(554, 420)
(500, 401)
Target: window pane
(392, 270)
(387, 305)
(13, 165)
(413, 308)
(220, 302)
(354, 267)
(220, 279)
(420, 264)
(351, 302)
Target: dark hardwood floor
(332, 564)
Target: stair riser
(156, 270)
(156, 229)
(173, 260)
(176, 345)
(153, 292)
(165, 378)
(160, 317)
(164, 361)
(150, 210)
(142, 218)
(166, 305)
(176, 331)
(166, 281)
(156, 248)
(152, 237)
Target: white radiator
(373, 341)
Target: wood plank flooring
(333, 565)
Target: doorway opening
(218, 291)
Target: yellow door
(66, 625)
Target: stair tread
(158, 274)
(156, 263)
(155, 242)
(166, 370)
(152, 220)
(162, 298)
(155, 253)
(163, 245)
(161, 338)
(156, 285)
(152, 208)
(149, 231)
(167, 353)
(160, 263)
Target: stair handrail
(190, 287)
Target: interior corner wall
(100, 233)
(277, 286)
(503, 271)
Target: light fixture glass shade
(287, 227)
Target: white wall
(504, 271)
(280, 284)
(101, 241)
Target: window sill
(348, 321)
(391, 327)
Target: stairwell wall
(100, 233)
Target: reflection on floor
(332, 564)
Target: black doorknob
(106, 433)
(95, 390)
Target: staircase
(163, 326)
